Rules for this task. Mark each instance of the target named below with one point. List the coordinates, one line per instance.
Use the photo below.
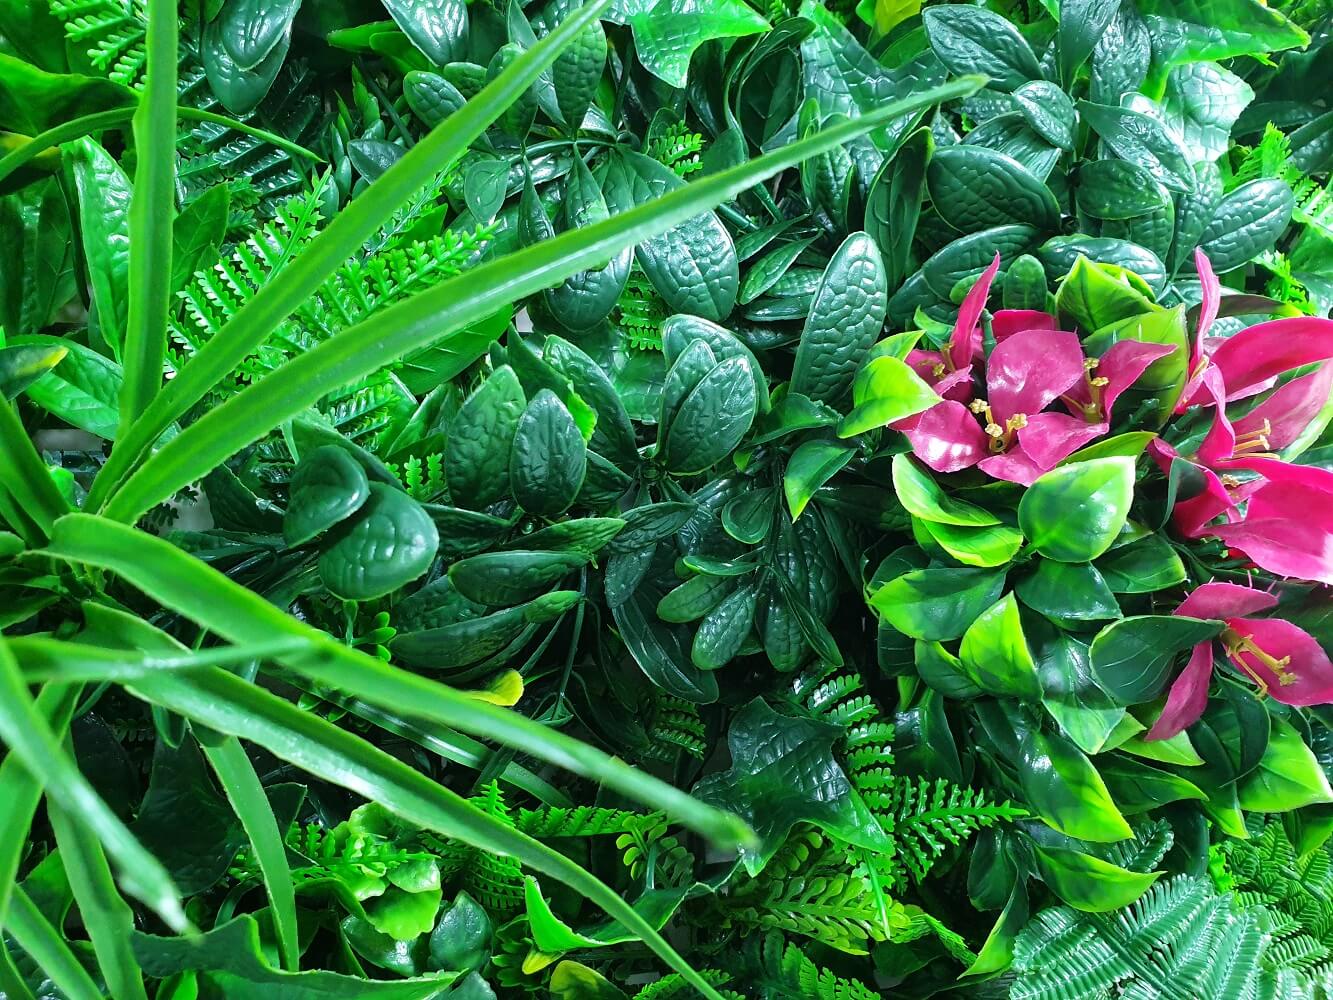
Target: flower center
(1000, 437)
(1254, 444)
(1092, 410)
(1235, 644)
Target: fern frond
(678, 147)
(928, 817)
(676, 726)
(830, 694)
(640, 312)
(675, 987)
(647, 847)
(579, 821)
(110, 32)
(1179, 939)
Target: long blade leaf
(20, 792)
(188, 586)
(244, 791)
(439, 313)
(24, 473)
(347, 233)
(30, 739)
(43, 943)
(107, 917)
(152, 208)
(228, 704)
(44, 659)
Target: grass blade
(183, 583)
(30, 739)
(20, 792)
(246, 795)
(108, 918)
(452, 305)
(49, 659)
(24, 473)
(228, 704)
(344, 235)
(152, 208)
(48, 949)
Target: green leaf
(983, 545)
(1088, 883)
(1134, 656)
(549, 458)
(692, 266)
(724, 630)
(846, 317)
(660, 651)
(1065, 790)
(439, 28)
(587, 298)
(1094, 296)
(1067, 592)
(1118, 189)
(812, 465)
(1247, 222)
(712, 419)
(1085, 712)
(1142, 140)
(31, 740)
(390, 542)
(995, 653)
(248, 800)
(327, 487)
(1288, 776)
(197, 233)
(421, 320)
(152, 208)
(935, 604)
(505, 578)
(1073, 513)
(481, 436)
(884, 391)
(1165, 378)
(974, 40)
(974, 187)
(34, 933)
(783, 772)
(1143, 567)
(1188, 31)
(108, 918)
(666, 35)
(104, 218)
(461, 939)
(463, 643)
(1082, 24)
(1203, 101)
(893, 204)
(924, 498)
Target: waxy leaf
(783, 772)
(1073, 513)
(1065, 790)
(481, 436)
(390, 542)
(936, 604)
(504, 578)
(327, 487)
(1133, 657)
(996, 655)
(549, 458)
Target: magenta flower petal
(1308, 674)
(1289, 410)
(1225, 600)
(1050, 438)
(1014, 466)
(1212, 294)
(1220, 443)
(1193, 516)
(1007, 322)
(947, 437)
(1030, 370)
(927, 364)
(956, 385)
(965, 341)
(1257, 354)
(1293, 546)
(1188, 696)
(1122, 366)
(1212, 298)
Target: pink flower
(1015, 439)
(949, 370)
(1283, 660)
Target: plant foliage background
(658, 499)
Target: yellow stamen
(1236, 644)
(938, 370)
